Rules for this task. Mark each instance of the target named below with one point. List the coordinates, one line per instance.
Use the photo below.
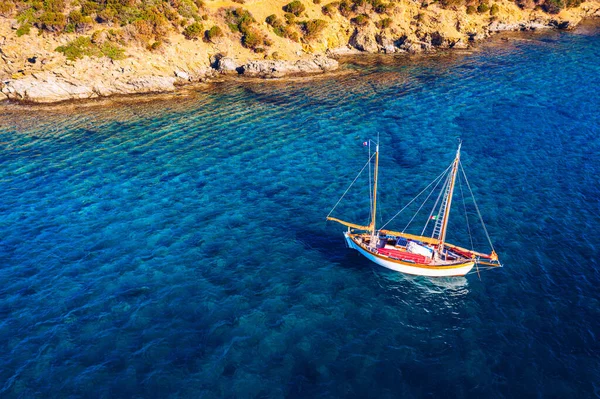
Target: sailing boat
(418, 254)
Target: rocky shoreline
(56, 86)
(90, 78)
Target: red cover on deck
(403, 255)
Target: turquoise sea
(178, 248)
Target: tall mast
(449, 200)
(374, 213)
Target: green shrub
(24, 29)
(482, 8)
(384, 23)
(272, 20)
(193, 31)
(495, 9)
(83, 46)
(295, 7)
(89, 8)
(329, 9)
(79, 48)
(112, 51)
(238, 19)
(55, 6)
(289, 17)
(553, 6)
(155, 46)
(52, 21)
(380, 7)
(359, 5)
(360, 20)
(6, 8)
(188, 9)
(26, 16)
(345, 8)
(106, 15)
(471, 10)
(452, 3)
(213, 33)
(75, 17)
(313, 28)
(252, 39)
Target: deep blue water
(178, 248)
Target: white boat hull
(405, 267)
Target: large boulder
(226, 65)
(47, 90)
(364, 39)
(386, 42)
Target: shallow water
(178, 248)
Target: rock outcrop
(226, 65)
(49, 88)
(278, 68)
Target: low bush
(193, 31)
(106, 15)
(471, 10)
(83, 46)
(112, 51)
(252, 39)
(553, 6)
(289, 17)
(380, 7)
(52, 21)
(483, 8)
(295, 7)
(329, 9)
(345, 8)
(359, 5)
(213, 33)
(90, 8)
(384, 23)
(494, 9)
(360, 20)
(157, 45)
(7, 8)
(238, 19)
(313, 28)
(23, 29)
(56, 6)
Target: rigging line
(436, 201)
(353, 181)
(467, 219)
(476, 207)
(370, 186)
(412, 200)
(422, 204)
(466, 214)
